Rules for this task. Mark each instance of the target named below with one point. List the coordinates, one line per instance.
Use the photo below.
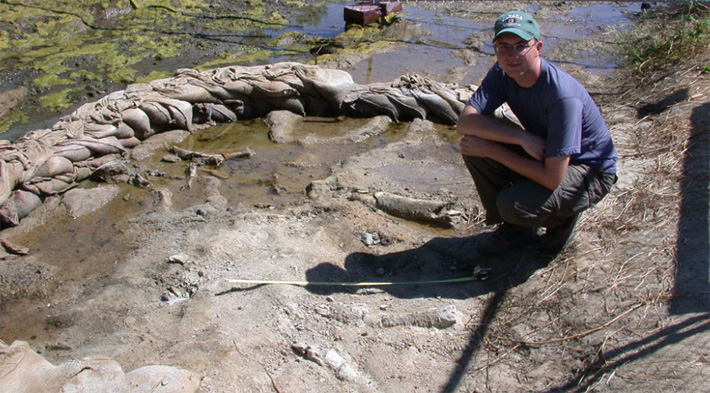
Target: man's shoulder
(560, 80)
(554, 72)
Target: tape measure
(480, 273)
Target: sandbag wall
(51, 161)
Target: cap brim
(520, 33)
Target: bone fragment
(415, 209)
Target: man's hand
(477, 147)
(472, 123)
(483, 137)
(533, 145)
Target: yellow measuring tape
(480, 273)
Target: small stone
(166, 296)
(367, 239)
(171, 158)
(181, 258)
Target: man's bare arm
(471, 122)
(549, 173)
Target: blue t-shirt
(557, 108)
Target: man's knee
(510, 208)
(521, 205)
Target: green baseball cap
(519, 23)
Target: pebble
(367, 238)
(181, 258)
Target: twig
(498, 359)
(160, 383)
(588, 332)
(273, 383)
(656, 150)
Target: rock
(421, 126)
(433, 318)
(318, 190)
(281, 126)
(81, 201)
(163, 141)
(172, 158)
(415, 209)
(367, 239)
(159, 200)
(214, 197)
(13, 248)
(113, 172)
(11, 98)
(182, 259)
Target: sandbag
(138, 121)
(55, 165)
(18, 206)
(24, 371)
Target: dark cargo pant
(512, 198)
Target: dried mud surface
(143, 279)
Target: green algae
(245, 55)
(59, 100)
(356, 40)
(4, 40)
(84, 75)
(118, 69)
(48, 80)
(13, 116)
(108, 43)
(45, 37)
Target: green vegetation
(65, 45)
(12, 117)
(72, 51)
(59, 100)
(681, 34)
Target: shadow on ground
(692, 290)
(438, 259)
(609, 361)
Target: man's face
(517, 56)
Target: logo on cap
(519, 23)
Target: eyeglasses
(521, 49)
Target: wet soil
(596, 317)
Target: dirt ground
(141, 275)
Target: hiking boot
(556, 238)
(506, 238)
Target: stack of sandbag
(24, 371)
(49, 162)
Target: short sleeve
(490, 94)
(564, 133)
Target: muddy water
(447, 29)
(279, 173)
